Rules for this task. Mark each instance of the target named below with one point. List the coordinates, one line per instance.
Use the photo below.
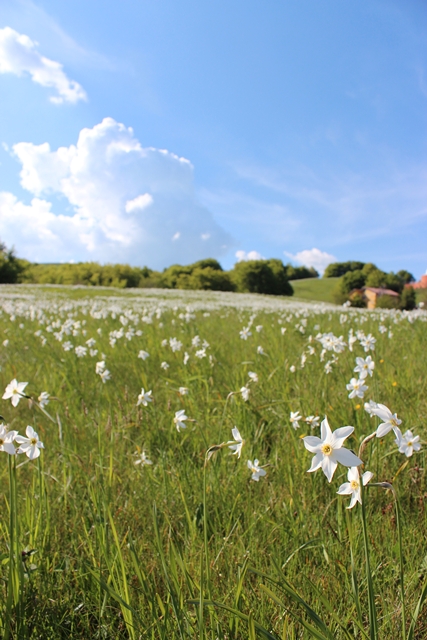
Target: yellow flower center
(327, 449)
(354, 484)
(410, 443)
(33, 440)
(1, 442)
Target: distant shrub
(357, 300)
(387, 302)
(338, 269)
(405, 276)
(261, 276)
(300, 273)
(11, 267)
(88, 273)
(408, 299)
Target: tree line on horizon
(252, 276)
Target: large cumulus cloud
(127, 203)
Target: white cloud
(250, 255)
(312, 258)
(126, 203)
(140, 202)
(19, 55)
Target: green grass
(318, 289)
(134, 551)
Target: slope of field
(319, 289)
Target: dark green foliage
(206, 279)
(207, 262)
(88, 273)
(387, 302)
(337, 269)
(11, 268)
(300, 273)
(204, 274)
(357, 300)
(378, 278)
(405, 276)
(408, 299)
(352, 280)
(172, 276)
(368, 268)
(261, 276)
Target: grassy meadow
(314, 289)
(132, 524)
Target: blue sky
(156, 131)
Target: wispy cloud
(354, 205)
(19, 55)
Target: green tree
(338, 269)
(405, 276)
(11, 268)
(261, 276)
(408, 299)
(300, 273)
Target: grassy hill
(319, 289)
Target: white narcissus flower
(43, 399)
(256, 470)
(352, 487)
(142, 459)
(80, 351)
(253, 376)
(328, 367)
(245, 333)
(390, 420)
(407, 443)
(245, 393)
(183, 391)
(164, 366)
(105, 375)
(357, 388)
(328, 449)
(179, 419)
(186, 357)
(364, 367)
(100, 367)
(370, 407)
(313, 421)
(295, 417)
(30, 445)
(144, 397)
(14, 391)
(6, 440)
(143, 354)
(368, 342)
(260, 351)
(237, 443)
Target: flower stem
(373, 624)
